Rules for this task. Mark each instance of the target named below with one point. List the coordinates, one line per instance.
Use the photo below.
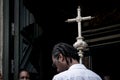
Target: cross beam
(78, 19)
(80, 44)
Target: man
(66, 60)
(24, 75)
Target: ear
(61, 57)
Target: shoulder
(93, 74)
(61, 76)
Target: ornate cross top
(80, 44)
(78, 19)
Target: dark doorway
(51, 16)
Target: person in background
(24, 75)
(106, 77)
(66, 61)
(1, 77)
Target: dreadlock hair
(66, 50)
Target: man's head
(24, 75)
(63, 56)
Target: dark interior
(51, 16)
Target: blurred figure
(24, 75)
(107, 77)
(1, 77)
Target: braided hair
(66, 50)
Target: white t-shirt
(77, 72)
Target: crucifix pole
(79, 22)
(80, 45)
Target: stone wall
(1, 33)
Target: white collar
(77, 66)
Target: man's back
(77, 72)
